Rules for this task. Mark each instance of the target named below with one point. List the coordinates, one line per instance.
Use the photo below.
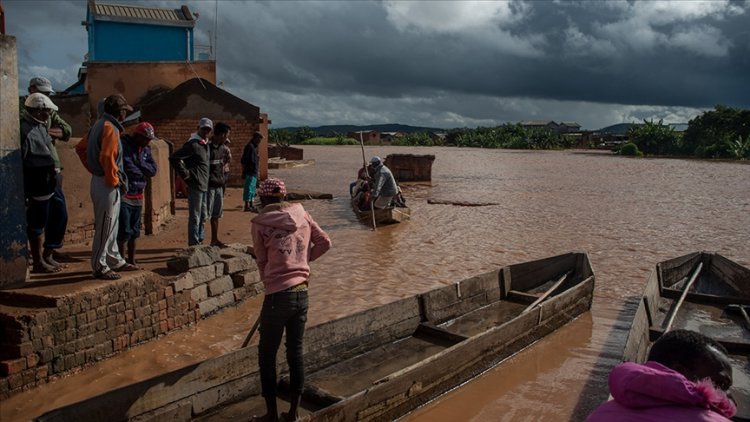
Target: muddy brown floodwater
(628, 214)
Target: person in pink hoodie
(285, 240)
(685, 378)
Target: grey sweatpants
(105, 254)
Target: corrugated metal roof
(140, 13)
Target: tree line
(723, 132)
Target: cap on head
(146, 130)
(39, 100)
(205, 122)
(116, 102)
(375, 161)
(272, 187)
(41, 84)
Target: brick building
(175, 116)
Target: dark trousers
(282, 311)
(57, 217)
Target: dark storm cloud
(457, 63)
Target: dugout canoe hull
(720, 283)
(378, 364)
(383, 216)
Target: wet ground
(626, 213)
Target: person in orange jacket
(100, 152)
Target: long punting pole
(250, 334)
(673, 311)
(364, 163)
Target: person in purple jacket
(685, 378)
(139, 166)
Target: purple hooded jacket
(653, 392)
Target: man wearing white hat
(384, 185)
(58, 129)
(38, 174)
(191, 162)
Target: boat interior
(403, 335)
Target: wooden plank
(521, 297)
(444, 336)
(546, 294)
(676, 307)
(706, 299)
(732, 345)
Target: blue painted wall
(118, 42)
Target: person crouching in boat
(384, 185)
(685, 379)
(360, 189)
(285, 240)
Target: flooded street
(627, 214)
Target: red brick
(168, 291)
(10, 367)
(42, 372)
(163, 326)
(32, 360)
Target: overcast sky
(443, 64)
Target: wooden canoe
(720, 283)
(378, 364)
(383, 216)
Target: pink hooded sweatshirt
(653, 392)
(285, 239)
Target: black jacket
(249, 160)
(191, 162)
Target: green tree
(712, 133)
(655, 138)
(302, 134)
(281, 137)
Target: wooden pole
(250, 334)
(547, 293)
(673, 311)
(364, 163)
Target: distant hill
(331, 130)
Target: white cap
(39, 100)
(205, 122)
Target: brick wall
(51, 336)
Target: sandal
(127, 267)
(109, 275)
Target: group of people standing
(203, 162)
(119, 163)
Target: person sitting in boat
(685, 379)
(360, 189)
(384, 185)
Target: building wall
(122, 41)
(13, 228)
(135, 79)
(77, 182)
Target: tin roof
(140, 14)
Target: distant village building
(370, 137)
(552, 126)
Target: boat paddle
(364, 163)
